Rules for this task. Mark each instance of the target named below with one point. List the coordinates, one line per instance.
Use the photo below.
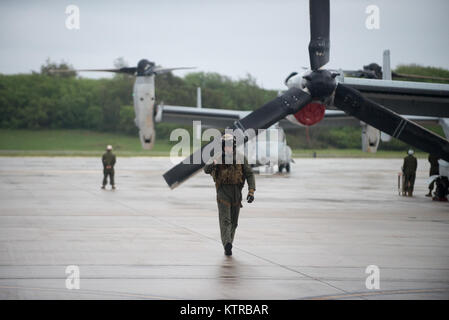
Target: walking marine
(229, 178)
(409, 170)
(108, 160)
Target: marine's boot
(429, 194)
(410, 193)
(102, 187)
(113, 187)
(228, 249)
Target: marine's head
(109, 148)
(410, 152)
(228, 143)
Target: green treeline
(55, 101)
(47, 100)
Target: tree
(54, 69)
(127, 124)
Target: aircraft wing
(405, 97)
(209, 117)
(222, 118)
(421, 102)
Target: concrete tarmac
(310, 234)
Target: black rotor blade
(319, 33)
(290, 102)
(353, 103)
(127, 70)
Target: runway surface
(308, 235)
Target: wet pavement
(310, 234)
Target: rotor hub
(144, 67)
(321, 84)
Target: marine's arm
(208, 168)
(249, 176)
(250, 179)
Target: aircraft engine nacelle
(370, 138)
(144, 103)
(147, 138)
(309, 115)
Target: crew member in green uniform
(434, 171)
(108, 160)
(409, 171)
(229, 178)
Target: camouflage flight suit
(108, 160)
(409, 170)
(229, 181)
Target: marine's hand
(250, 197)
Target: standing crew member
(409, 171)
(229, 178)
(108, 160)
(434, 170)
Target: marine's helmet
(227, 137)
(226, 140)
(410, 152)
(109, 148)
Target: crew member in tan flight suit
(229, 178)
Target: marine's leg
(235, 210)
(224, 216)
(412, 184)
(406, 183)
(431, 185)
(111, 178)
(105, 176)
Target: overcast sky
(265, 38)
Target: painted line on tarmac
(91, 292)
(377, 293)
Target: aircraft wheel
(287, 168)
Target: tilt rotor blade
(353, 103)
(319, 44)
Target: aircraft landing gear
(284, 166)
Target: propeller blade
(353, 103)
(319, 33)
(128, 70)
(290, 102)
(165, 70)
